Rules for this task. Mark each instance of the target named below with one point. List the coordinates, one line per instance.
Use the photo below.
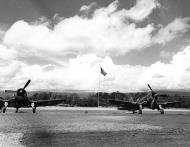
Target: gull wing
(47, 102)
(124, 104)
(169, 104)
(10, 102)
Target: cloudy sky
(61, 44)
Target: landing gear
(140, 109)
(33, 107)
(16, 110)
(161, 111)
(34, 110)
(3, 109)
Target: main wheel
(3, 109)
(161, 111)
(140, 111)
(34, 110)
(16, 110)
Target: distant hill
(173, 93)
(84, 93)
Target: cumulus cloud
(165, 54)
(142, 9)
(175, 74)
(82, 73)
(92, 40)
(87, 8)
(107, 32)
(175, 28)
(7, 53)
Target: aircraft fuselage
(21, 101)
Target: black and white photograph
(94, 73)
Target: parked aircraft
(21, 100)
(150, 102)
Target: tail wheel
(3, 109)
(34, 110)
(161, 111)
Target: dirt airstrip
(94, 127)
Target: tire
(140, 111)
(161, 111)
(16, 110)
(34, 110)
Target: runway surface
(94, 127)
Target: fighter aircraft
(150, 102)
(21, 100)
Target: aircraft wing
(9, 102)
(124, 104)
(47, 102)
(1, 102)
(169, 104)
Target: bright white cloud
(175, 75)
(8, 72)
(168, 33)
(7, 53)
(83, 72)
(142, 9)
(87, 8)
(107, 32)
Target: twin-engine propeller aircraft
(150, 102)
(21, 100)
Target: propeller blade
(138, 99)
(10, 91)
(150, 87)
(26, 84)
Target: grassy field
(94, 128)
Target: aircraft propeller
(27, 83)
(156, 94)
(14, 91)
(149, 87)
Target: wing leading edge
(169, 104)
(47, 102)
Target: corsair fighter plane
(21, 100)
(150, 102)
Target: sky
(61, 44)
